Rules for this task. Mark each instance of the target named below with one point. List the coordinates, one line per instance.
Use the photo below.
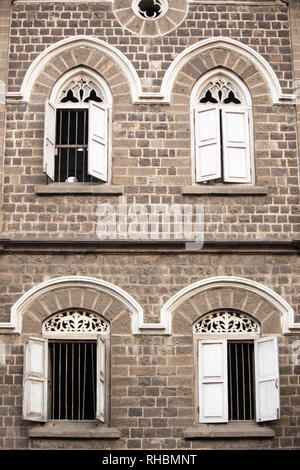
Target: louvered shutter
(236, 145)
(213, 388)
(97, 142)
(267, 379)
(101, 382)
(35, 380)
(49, 139)
(208, 145)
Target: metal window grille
(241, 381)
(73, 380)
(71, 158)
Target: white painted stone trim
(17, 310)
(14, 326)
(285, 310)
(233, 46)
(137, 94)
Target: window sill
(228, 431)
(223, 189)
(78, 188)
(73, 430)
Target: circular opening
(150, 9)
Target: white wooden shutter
(236, 145)
(101, 382)
(213, 388)
(49, 139)
(97, 143)
(35, 380)
(267, 379)
(208, 145)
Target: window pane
(73, 380)
(241, 381)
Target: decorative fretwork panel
(220, 91)
(75, 321)
(226, 321)
(80, 91)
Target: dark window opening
(73, 380)
(71, 159)
(149, 8)
(241, 382)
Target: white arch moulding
(14, 326)
(137, 94)
(285, 310)
(231, 45)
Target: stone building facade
(174, 84)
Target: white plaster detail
(74, 75)
(226, 321)
(281, 305)
(52, 285)
(137, 94)
(75, 321)
(137, 315)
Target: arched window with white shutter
(223, 129)
(238, 369)
(77, 128)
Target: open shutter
(98, 134)
(49, 139)
(35, 380)
(208, 145)
(236, 145)
(101, 359)
(267, 379)
(213, 391)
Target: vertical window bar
(93, 380)
(243, 383)
(60, 141)
(249, 381)
(79, 381)
(76, 142)
(53, 377)
(84, 378)
(72, 372)
(85, 143)
(237, 381)
(230, 381)
(59, 382)
(68, 149)
(66, 381)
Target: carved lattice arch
(227, 321)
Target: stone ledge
(73, 430)
(77, 188)
(224, 190)
(228, 431)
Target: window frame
(225, 338)
(246, 106)
(102, 392)
(106, 105)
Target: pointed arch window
(76, 137)
(222, 129)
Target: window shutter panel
(101, 359)
(267, 379)
(97, 143)
(208, 145)
(35, 380)
(236, 145)
(49, 139)
(213, 391)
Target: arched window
(222, 129)
(238, 375)
(66, 369)
(76, 137)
